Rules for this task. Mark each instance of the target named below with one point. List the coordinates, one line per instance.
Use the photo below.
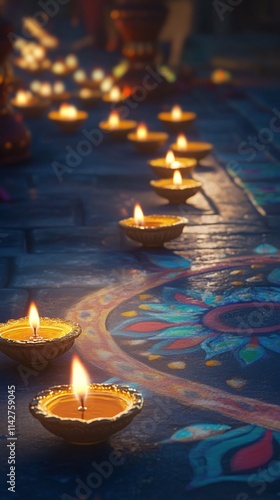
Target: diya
(197, 150)
(89, 97)
(117, 128)
(33, 341)
(55, 92)
(114, 95)
(68, 118)
(84, 413)
(152, 230)
(164, 167)
(177, 190)
(29, 105)
(145, 141)
(177, 120)
(63, 68)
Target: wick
(82, 407)
(35, 337)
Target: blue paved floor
(60, 245)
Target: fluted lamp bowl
(56, 337)
(164, 171)
(156, 229)
(176, 194)
(110, 408)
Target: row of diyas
(82, 413)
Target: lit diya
(85, 413)
(187, 149)
(177, 190)
(177, 120)
(29, 105)
(29, 63)
(64, 68)
(68, 118)
(164, 167)
(89, 97)
(107, 84)
(33, 341)
(152, 230)
(55, 92)
(117, 128)
(114, 95)
(92, 81)
(145, 141)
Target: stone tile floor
(59, 241)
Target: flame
(176, 164)
(35, 86)
(23, 97)
(39, 52)
(98, 75)
(138, 215)
(68, 111)
(79, 380)
(177, 178)
(114, 119)
(107, 84)
(79, 75)
(45, 89)
(170, 158)
(182, 142)
(176, 113)
(58, 67)
(33, 315)
(142, 131)
(115, 93)
(71, 61)
(58, 87)
(85, 93)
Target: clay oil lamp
(84, 413)
(145, 141)
(33, 341)
(114, 96)
(164, 167)
(117, 128)
(29, 105)
(89, 97)
(177, 120)
(68, 118)
(187, 149)
(152, 230)
(176, 190)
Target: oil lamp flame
(142, 132)
(45, 89)
(107, 84)
(39, 52)
(23, 97)
(170, 158)
(177, 178)
(71, 61)
(85, 93)
(97, 75)
(176, 113)
(80, 381)
(115, 93)
(114, 119)
(79, 75)
(182, 142)
(176, 164)
(35, 86)
(58, 67)
(34, 319)
(58, 87)
(138, 215)
(68, 111)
